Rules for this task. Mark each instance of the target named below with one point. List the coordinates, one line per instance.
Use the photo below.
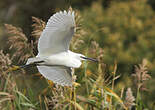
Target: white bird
(54, 60)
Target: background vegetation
(120, 33)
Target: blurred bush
(126, 33)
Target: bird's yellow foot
(13, 68)
(50, 83)
(75, 84)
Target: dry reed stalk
(141, 75)
(38, 26)
(18, 41)
(77, 40)
(129, 99)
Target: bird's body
(54, 60)
(68, 59)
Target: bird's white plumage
(54, 60)
(53, 48)
(57, 34)
(59, 75)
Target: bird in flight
(54, 60)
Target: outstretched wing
(57, 34)
(59, 75)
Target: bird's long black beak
(90, 59)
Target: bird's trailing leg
(14, 68)
(31, 64)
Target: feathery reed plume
(96, 50)
(38, 26)
(141, 75)
(19, 42)
(57, 98)
(5, 79)
(129, 99)
(5, 61)
(77, 39)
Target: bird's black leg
(31, 64)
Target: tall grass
(93, 89)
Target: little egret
(54, 60)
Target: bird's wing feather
(59, 75)
(57, 34)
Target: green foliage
(125, 31)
